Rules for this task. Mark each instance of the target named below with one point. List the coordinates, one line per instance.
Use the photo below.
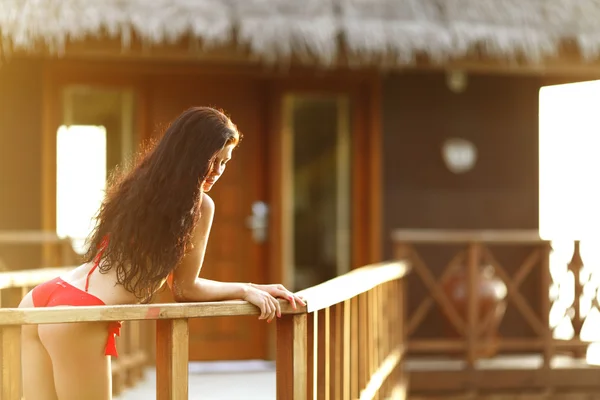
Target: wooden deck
(254, 380)
(518, 374)
(429, 377)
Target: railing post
(10, 350)
(10, 362)
(292, 347)
(172, 356)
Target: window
(80, 180)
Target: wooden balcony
(478, 317)
(347, 343)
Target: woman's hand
(279, 291)
(268, 305)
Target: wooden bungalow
(345, 106)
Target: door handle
(258, 221)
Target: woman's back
(101, 285)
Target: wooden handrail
(57, 315)
(29, 237)
(30, 277)
(319, 297)
(56, 251)
(347, 286)
(441, 236)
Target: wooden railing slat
(172, 354)
(363, 340)
(370, 319)
(292, 361)
(317, 371)
(10, 362)
(347, 347)
(355, 346)
(310, 354)
(386, 348)
(327, 353)
(299, 354)
(473, 256)
(337, 355)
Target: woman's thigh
(38, 377)
(81, 370)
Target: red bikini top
(101, 247)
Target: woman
(152, 228)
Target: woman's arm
(186, 286)
(184, 281)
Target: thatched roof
(276, 29)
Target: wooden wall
(20, 155)
(499, 114)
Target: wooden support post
(172, 355)
(292, 368)
(10, 362)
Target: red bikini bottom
(60, 293)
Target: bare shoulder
(207, 205)
(207, 212)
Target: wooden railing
(476, 295)
(350, 342)
(347, 343)
(472, 330)
(56, 251)
(127, 369)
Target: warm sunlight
(80, 180)
(569, 200)
(569, 161)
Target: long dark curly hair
(149, 213)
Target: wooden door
(325, 176)
(232, 255)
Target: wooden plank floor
(214, 383)
(511, 377)
(507, 375)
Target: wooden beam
(444, 236)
